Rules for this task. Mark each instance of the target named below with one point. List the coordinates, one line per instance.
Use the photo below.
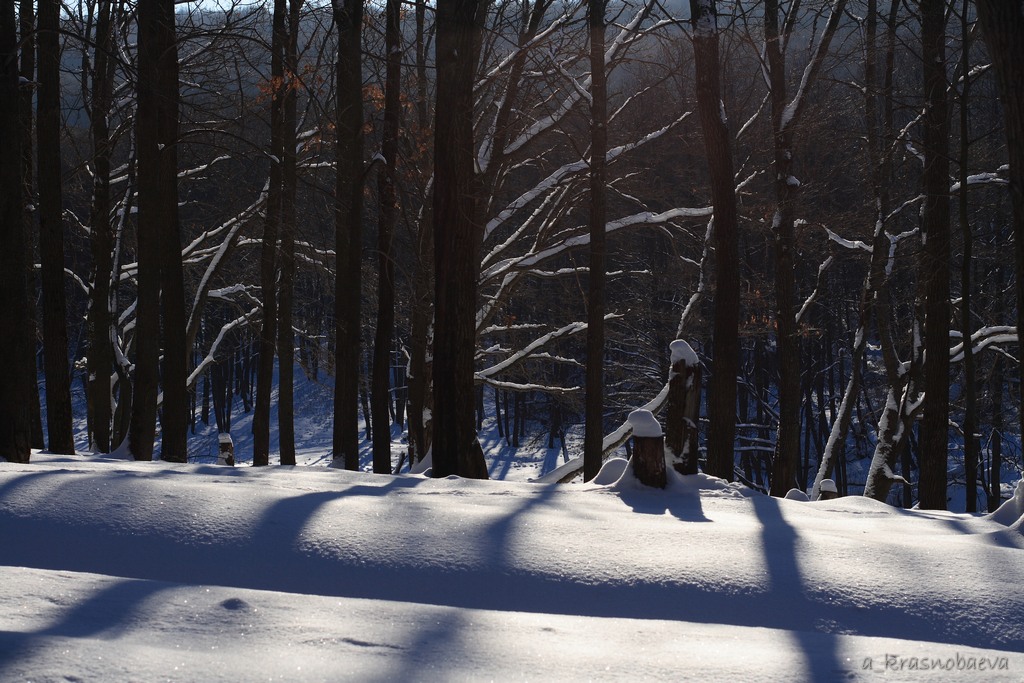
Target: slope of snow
(114, 570)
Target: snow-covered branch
(211, 354)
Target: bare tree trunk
(419, 374)
(971, 444)
(935, 263)
(423, 284)
(717, 147)
(142, 430)
(787, 448)
(28, 72)
(159, 242)
(1002, 24)
(101, 355)
(268, 248)
(421, 64)
(457, 236)
(174, 376)
(289, 188)
(785, 118)
(593, 439)
(51, 233)
(380, 393)
(17, 377)
(348, 15)
(996, 457)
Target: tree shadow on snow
(426, 657)
(779, 540)
(683, 504)
(106, 614)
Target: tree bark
(419, 368)
(174, 377)
(593, 439)
(1002, 25)
(17, 378)
(971, 444)
(159, 243)
(28, 72)
(785, 119)
(457, 236)
(101, 355)
(51, 232)
(787, 447)
(348, 15)
(268, 247)
(935, 262)
(380, 393)
(717, 148)
(289, 188)
(995, 498)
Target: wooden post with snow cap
(226, 450)
(683, 408)
(648, 449)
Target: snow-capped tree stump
(226, 456)
(648, 449)
(683, 408)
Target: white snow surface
(113, 570)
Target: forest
(463, 210)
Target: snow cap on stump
(644, 424)
(681, 351)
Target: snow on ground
(116, 571)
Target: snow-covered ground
(120, 571)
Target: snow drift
(715, 560)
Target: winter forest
(725, 293)
(510, 209)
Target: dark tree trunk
(174, 376)
(289, 180)
(971, 444)
(423, 285)
(593, 438)
(205, 412)
(787, 447)
(348, 15)
(142, 431)
(101, 355)
(996, 456)
(725, 346)
(785, 119)
(268, 247)
(497, 412)
(421, 64)
(507, 412)
(364, 400)
(419, 372)
(17, 378)
(935, 260)
(1002, 25)
(457, 236)
(159, 243)
(381, 390)
(28, 72)
(51, 233)
(401, 389)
